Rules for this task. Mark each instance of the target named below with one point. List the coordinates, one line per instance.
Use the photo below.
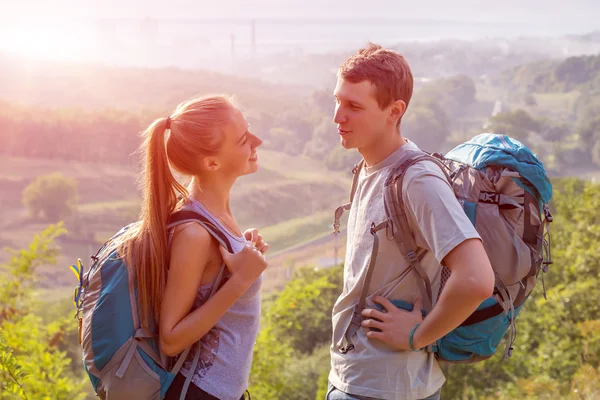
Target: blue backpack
(504, 190)
(123, 360)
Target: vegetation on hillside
(557, 352)
(38, 359)
(51, 196)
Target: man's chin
(347, 144)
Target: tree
(517, 124)
(52, 196)
(324, 139)
(342, 159)
(454, 95)
(428, 125)
(296, 326)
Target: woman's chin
(252, 168)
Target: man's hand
(396, 324)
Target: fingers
(252, 235)
(256, 239)
(385, 303)
(256, 251)
(376, 335)
(265, 248)
(371, 323)
(372, 313)
(262, 246)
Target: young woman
(208, 140)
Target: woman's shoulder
(193, 233)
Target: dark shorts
(193, 393)
(336, 394)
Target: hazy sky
(60, 28)
(535, 11)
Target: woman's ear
(210, 163)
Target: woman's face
(237, 155)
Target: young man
(374, 88)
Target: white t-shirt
(439, 224)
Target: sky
(535, 11)
(66, 29)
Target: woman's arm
(179, 328)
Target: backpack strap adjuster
(489, 197)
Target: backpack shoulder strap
(184, 216)
(400, 228)
(396, 227)
(356, 174)
(345, 207)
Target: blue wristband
(410, 338)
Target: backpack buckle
(338, 216)
(385, 224)
(547, 214)
(489, 197)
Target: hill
(57, 84)
(554, 75)
(291, 199)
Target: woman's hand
(246, 265)
(253, 236)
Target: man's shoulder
(425, 169)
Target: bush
(51, 196)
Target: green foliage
(556, 355)
(33, 364)
(53, 196)
(292, 350)
(553, 76)
(428, 124)
(19, 274)
(342, 159)
(558, 344)
(454, 95)
(517, 124)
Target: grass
(103, 206)
(298, 230)
(558, 106)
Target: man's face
(359, 119)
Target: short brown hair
(387, 69)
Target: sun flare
(44, 41)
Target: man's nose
(339, 116)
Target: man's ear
(397, 110)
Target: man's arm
(471, 282)
(452, 238)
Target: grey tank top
(226, 350)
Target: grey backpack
(504, 190)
